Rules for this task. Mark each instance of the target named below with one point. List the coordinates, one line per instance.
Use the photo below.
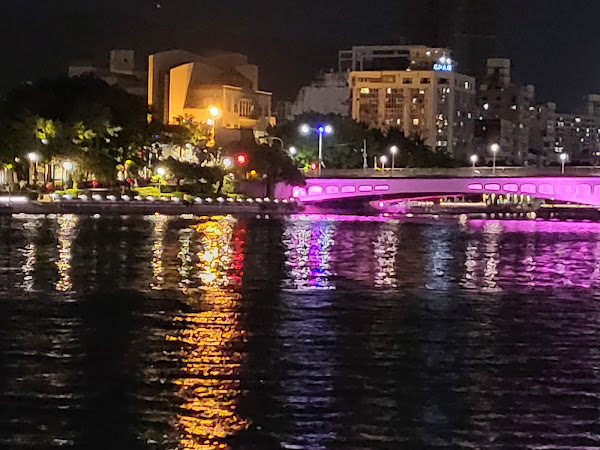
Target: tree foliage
(344, 148)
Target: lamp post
(214, 112)
(67, 167)
(33, 158)
(320, 130)
(563, 159)
(495, 148)
(474, 160)
(161, 171)
(393, 151)
(383, 160)
(293, 151)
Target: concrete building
(591, 105)
(329, 94)
(391, 57)
(507, 115)
(120, 71)
(185, 85)
(578, 136)
(437, 105)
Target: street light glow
(161, 171)
(293, 150)
(328, 129)
(383, 159)
(474, 159)
(495, 148)
(227, 163)
(67, 165)
(304, 129)
(214, 111)
(563, 157)
(33, 157)
(394, 149)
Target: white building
(329, 94)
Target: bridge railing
(459, 172)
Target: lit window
(389, 90)
(486, 106)
(416, 122)
(364, 90)
(578, 120)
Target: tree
(83, 119)
(344, 148)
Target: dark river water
(312, 332)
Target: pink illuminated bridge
(583, 190)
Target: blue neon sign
(443, 67)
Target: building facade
(189, 86)
(436, 105)
(507, 116)
(391, 57)
(329, 94)
(121, 71)
(578, 136)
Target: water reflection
(160, 225)
(308, 246)
(385, 247)
(210, 339)
(66, 234)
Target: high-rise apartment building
(435, 104)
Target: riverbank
(146, 207)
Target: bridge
(583, 190)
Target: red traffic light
(314, 166)
(241, 159)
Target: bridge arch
(583, 190)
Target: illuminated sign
(443, 67)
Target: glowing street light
(161, 171)
(563, 159)
(321, 130)
(214, 111)
(227, 163)
(293, 151)
(383, 160)
(495, 148)
(474, 160)
(394, 152)
(67, 166)
(33, 158)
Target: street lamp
(33, 158)
(383, 160)
(474, 160)
(67, 166)
(214, 112)
(227, 163)
(161, 171)
(563, 159)
(495, 148)
(393, 151)
(321, 130)
(293, 151)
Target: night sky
(554, 44)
